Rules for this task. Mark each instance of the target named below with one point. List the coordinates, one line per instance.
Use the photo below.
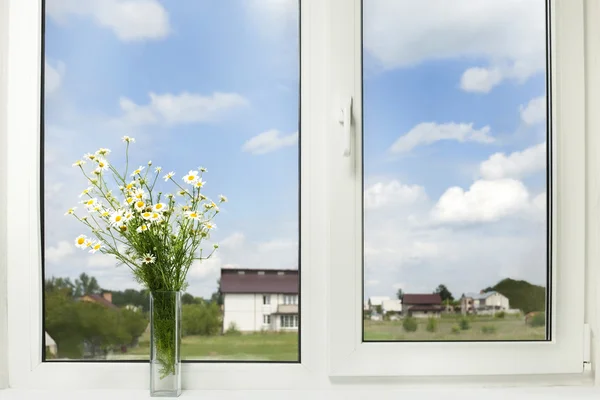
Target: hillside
(522, 295)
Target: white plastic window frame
(349, 355)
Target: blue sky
(454, 135)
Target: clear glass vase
(165, 344)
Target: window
(227, 108)
(266, 299)
(304, 210)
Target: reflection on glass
(212, 84)
(455, 165)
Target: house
(375, 302)
(255, 300)
(104, 300)
(422, 305)
(484, 303)
(391, 306)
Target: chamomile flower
(127, 139)
(116, 218)
(210, 205)
(105, 213)
(147, 215)
(210, 225)
(159, 207)
(169, 176)
(97, 171)
(148, 259)
(97, 208)
(156, 217)
(80, 241)
(199, 183)
(95, 247)
(158, 169)
(102, 164)
(139, 205)
(89, 156)
(87, 190)
(78, 163)
(102, 152)
(170, 195)
(202, 169)
(202, 197)
(191, 177)
(127, 216)
(129, 201)
(70, 211)
(131, 185)
(139, 194)
(90, 203)
(138, 171)
(182, 192)
(192, 215)
(87, 243)
(123, 228)
(215, 246)
(222, 199)
(143, 228)
(185, 208)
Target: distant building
(376, 301)
(483, 303)
(255, 300)
(422, 305)
(104, 300)
(392, 306)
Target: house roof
(98, 299)
(377, 300)
(480, 296)
(408, 299)
(235, 280)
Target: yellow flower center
(190, 178)
(80, 240)
(159, 206)
(194, 215)
(139, 204)
(118, 218)
(101, 164)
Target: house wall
(247, 311)
(497, 300)
(423, 314)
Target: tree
(138, 298)
(59, 284)
(86, 285)
(187, 298)
(444, 293)
(399, 294)
(217, 297)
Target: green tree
(138, 298)
(86, 285)
(187, 298)
(217, 297)
(410, 324)
(201, 319)
(444, 293)
(399, 294)
(59, 284)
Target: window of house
(442, 159)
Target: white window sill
(547, 393)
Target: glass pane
(456, 170)
(198, 84)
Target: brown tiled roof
(98, 299)
(250, 281)
(422, 299)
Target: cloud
(372, 282)
(53, 76)
(485, 201)
(516, 165)
(184, 108)
(129, 20)
(277, 244)
(507, 35)
(269, 141)
(534, 112)
(382, 194)
(427, 133)
(59, 252)
(233, 241)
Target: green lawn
(509, 328)
(248, 347)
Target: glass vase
(165, 344)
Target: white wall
(247, 311)
(497, 300)
(3, 269)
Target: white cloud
(130, 20)
(398, 285)
(480, 80)
(509, 35)
(233, 241)
(57, 253)
(430, 132)
(184, 108)
(53, 76)
(269, 141)
(277, 244)
(535, 111)
(382, 194)
(102, 261)
(485, 201)
(515, 165)
(372, 282)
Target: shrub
(464, 324)
(500, 315)
(410, 324)
(432, 325)
(232, 330)
(538, 319)
(488, 329)
(456, 329)
(200, 319)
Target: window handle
(345, 120)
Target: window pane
(211, 84)
(456, 170)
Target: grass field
(250, 347)
(509, 328)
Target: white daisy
(199, 183)
(105, 213)
(116, 219)
(97, 171)
(202, 169)
(210, 225)
(127, 139)
(80, 241)
(182, 193)
(222, 199)
(159, 207)
(139, 194)
(147, 215)
(87, 243)
(139, 205)
(70, 211)
(156, 217)
(89, 156)
(138, 171)
(90, 203)
(102, 152)
(191, 177)
(78, 163)
(88, 190)
(129, 201)
(169, 176)
(192, 215)
(158, 169)
(127, 216)
(148, 259)
(102, 164)
(143, 228)
(95, 247)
